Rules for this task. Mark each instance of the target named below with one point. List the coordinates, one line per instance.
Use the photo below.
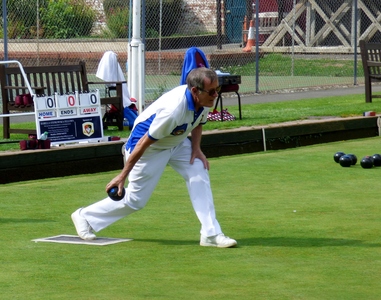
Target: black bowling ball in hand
(113, 194)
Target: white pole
(38, 32)
(141, 76)
(136, 58)
(264, 139)
(17, 114)
(160, 24)
(4, 62)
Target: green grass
(275, 64)
(280, 65)
(266, 113)
(306, 227)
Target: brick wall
(199, 16)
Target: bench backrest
(45, 80)
(60, 79)
(371, 57)
(371, 61)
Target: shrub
(110, 5)
(151, 33)
(22, 15)
(117, 22)
(117, 17)
(63, 19)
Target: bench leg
(120, 123)
(368, 90)
(6, 125)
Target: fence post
(219, 24)
(256, 46)
(5, 29)
(354, 24)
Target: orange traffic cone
(250, 39)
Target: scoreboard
(72, 117)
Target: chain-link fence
(301, 44)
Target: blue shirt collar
(190, 101)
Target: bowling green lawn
(306, 228)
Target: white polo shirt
(168, 120)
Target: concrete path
(310, 94)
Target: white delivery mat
(74, 239)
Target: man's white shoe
(83, 228)
(219, 240)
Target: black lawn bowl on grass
(353, 158)
(376, 160)
(337, 155)
(366, 162)
(345, 161)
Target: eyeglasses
(211, 92)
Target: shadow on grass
(277, 242)
(168, 242)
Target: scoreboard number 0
(87, 99)
(49, 102)
(71, 100)
(45, 103)
(93, 99)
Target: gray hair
(196, 77)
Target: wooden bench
(371, 61)
(47, 80)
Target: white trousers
(142, 181)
